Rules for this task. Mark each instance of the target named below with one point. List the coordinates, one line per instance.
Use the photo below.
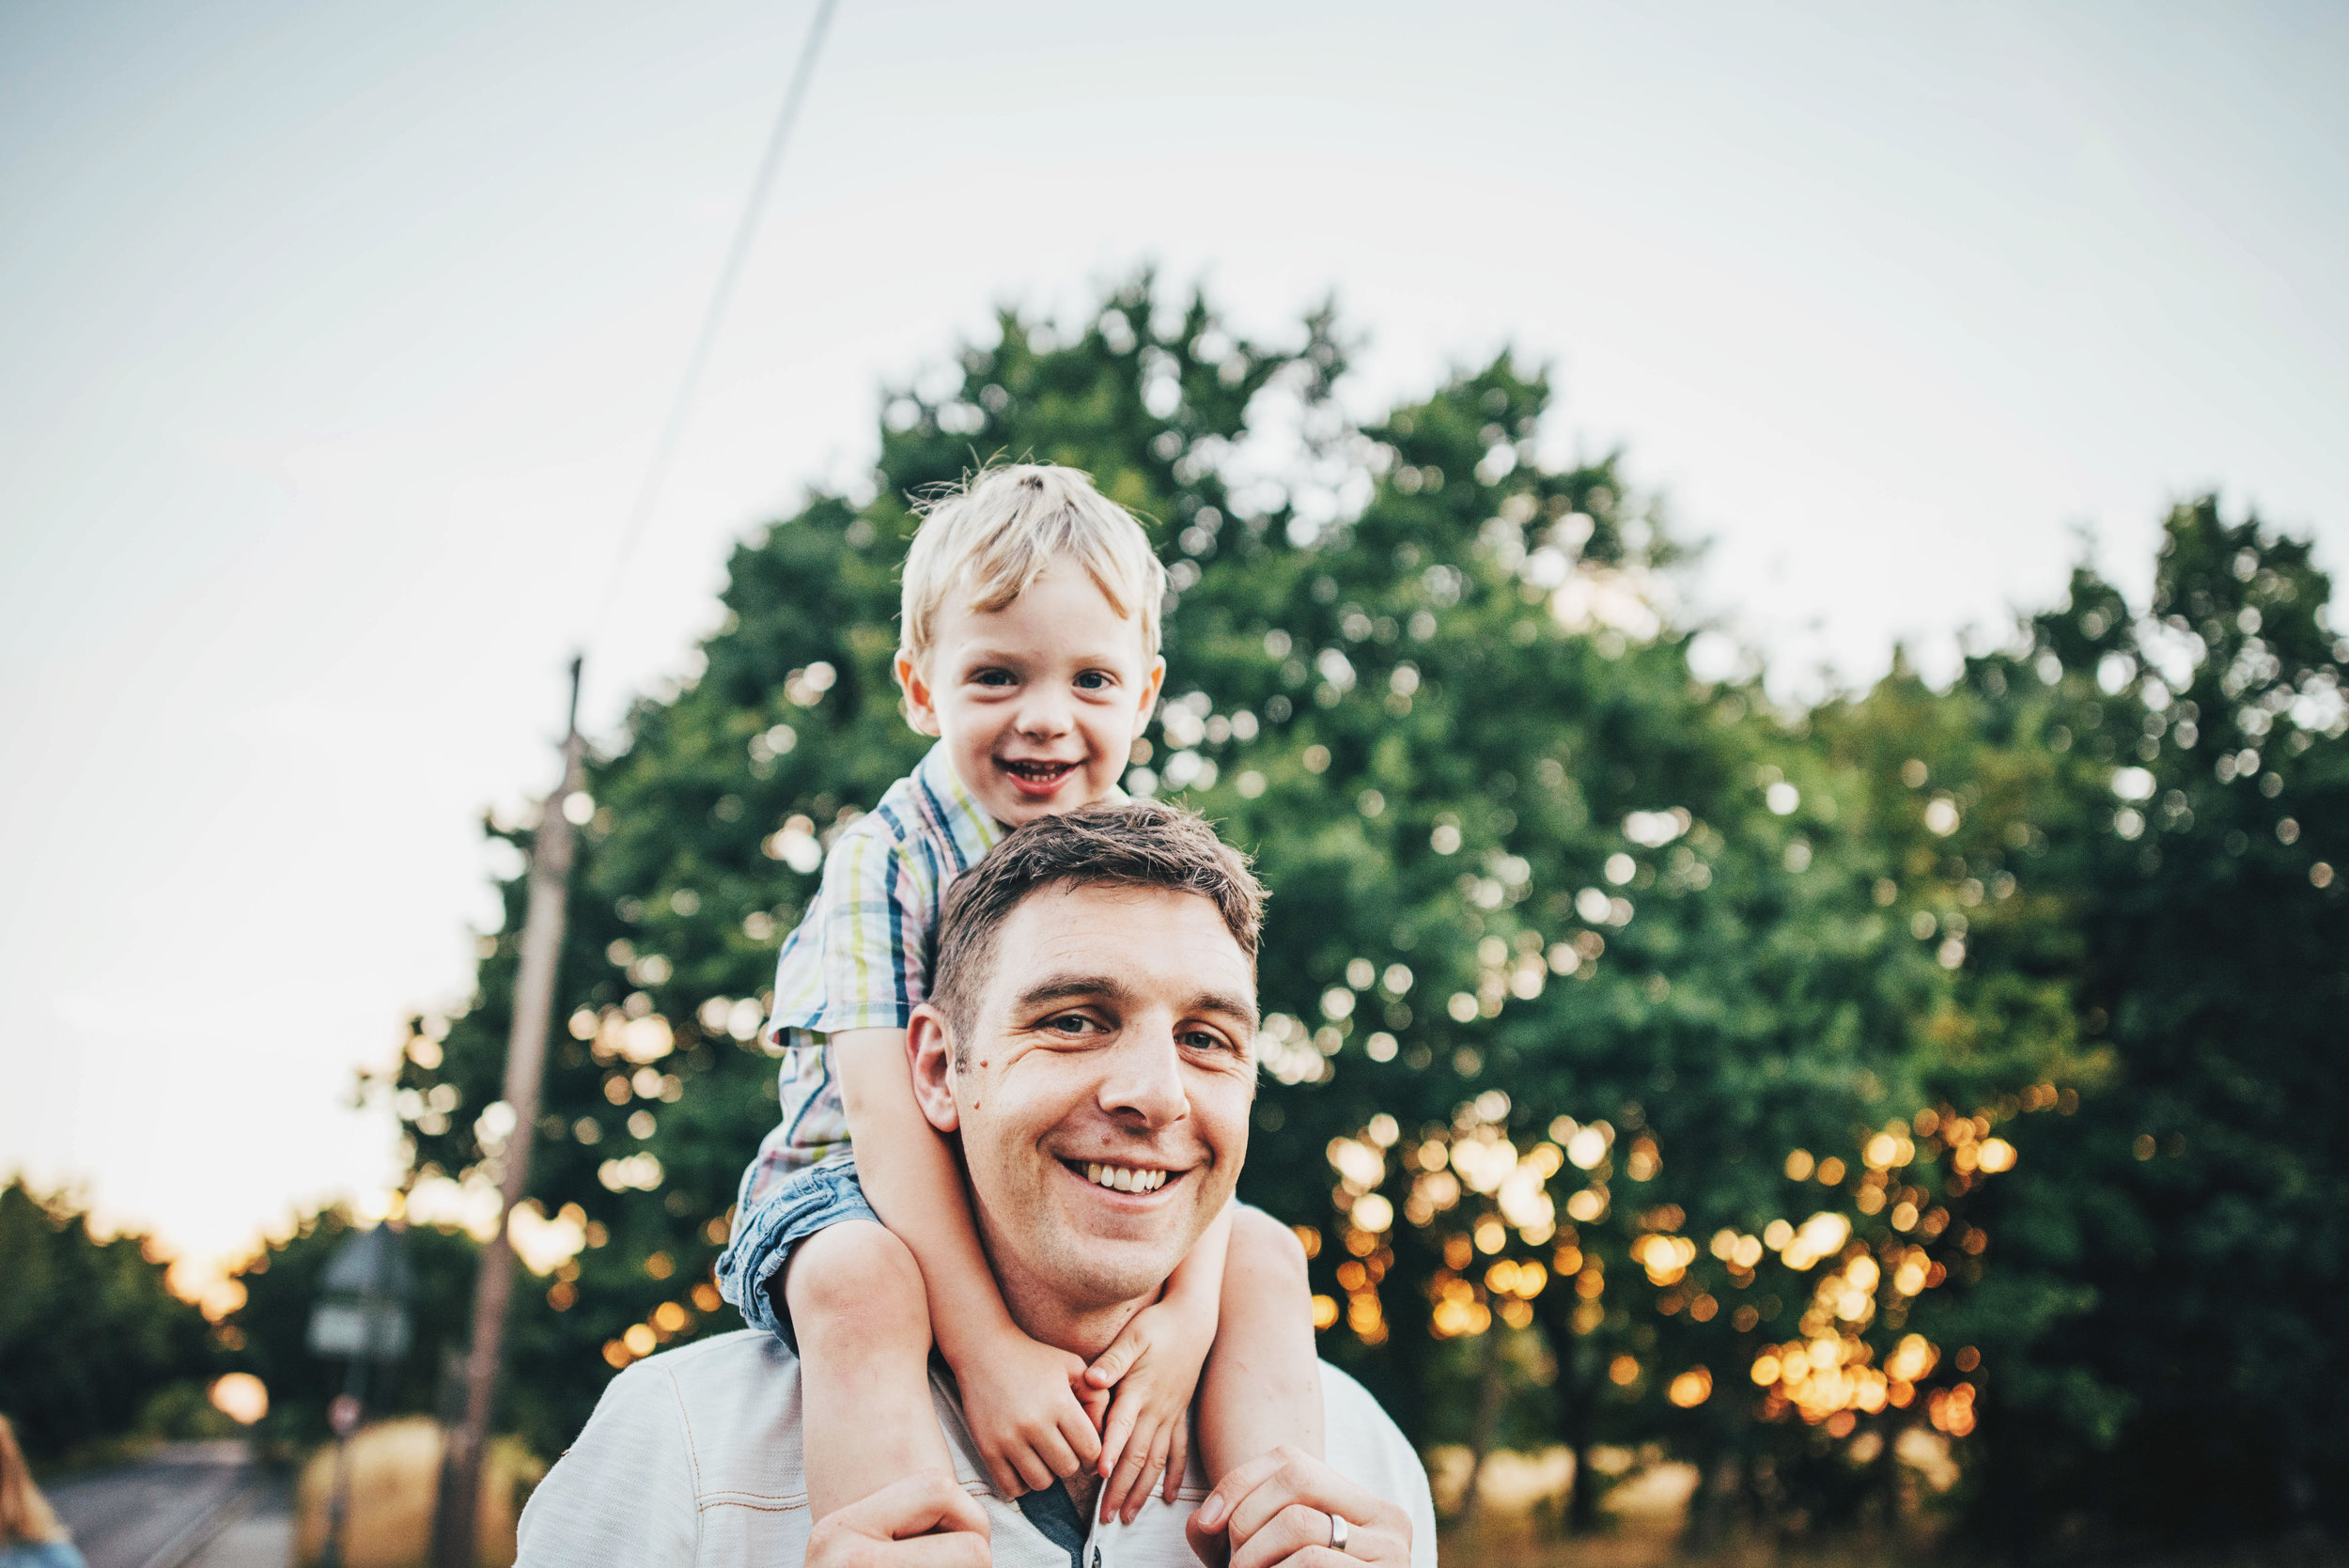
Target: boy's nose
(1044, 713)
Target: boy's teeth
(1120, 1178)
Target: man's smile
(1137, 1179)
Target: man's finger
(962, 1550)
(1298, 1537)
(1214, 1514)
(1299, 1478)
(1208, 1546)
(1295, 1527)
(922, 1521)
(915, 1506)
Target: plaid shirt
(860, 958)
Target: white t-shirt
(692, 1457)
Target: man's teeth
(1123, 1178)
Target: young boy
(1030, 648)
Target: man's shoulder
(734, 1401)
(716, 1368)
(686, 1451)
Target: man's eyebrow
(1102, 988)
(1240, 1007)
(1071, 987)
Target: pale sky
(333, 340)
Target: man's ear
(931, 1051)
(921, 701)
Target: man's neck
(1047, 1318)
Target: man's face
(1038, 702)
(1103, 1089)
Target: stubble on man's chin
(1086, 1276)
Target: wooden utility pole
(525, 1064)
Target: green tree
(91, 1336)
(2192, 1210)
(1644, 1059)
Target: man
(1095, 1007)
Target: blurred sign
(362, 1309)
(376, 1329)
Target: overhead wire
(730, 275)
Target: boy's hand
(1153, 1365)
(1023, 1404)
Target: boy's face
(1038, 702)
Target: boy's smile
(1038, 702)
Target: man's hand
(1021, 1401)
(1154, 1366)
(923, 1521)
(1277, 1508)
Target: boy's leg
(1261, 1386)
(863, 1322)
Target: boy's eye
(1094, 680)
(992, 677)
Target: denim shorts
(793, 1210)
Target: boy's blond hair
(993, 535)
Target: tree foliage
(93, 1343)
(1646, 1061)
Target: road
(190, 1505)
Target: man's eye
(1201, 1039)
(1072, 1023)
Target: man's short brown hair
(1146, 843)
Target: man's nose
(1144, 1078)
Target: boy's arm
(1019, 1396)
(1196, 1286)
(912, 1180)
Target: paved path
(159, 1512)
(263, 1538)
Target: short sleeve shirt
(860, 958)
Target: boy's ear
(1150, 686)
(921, 703)
(930, 1053)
